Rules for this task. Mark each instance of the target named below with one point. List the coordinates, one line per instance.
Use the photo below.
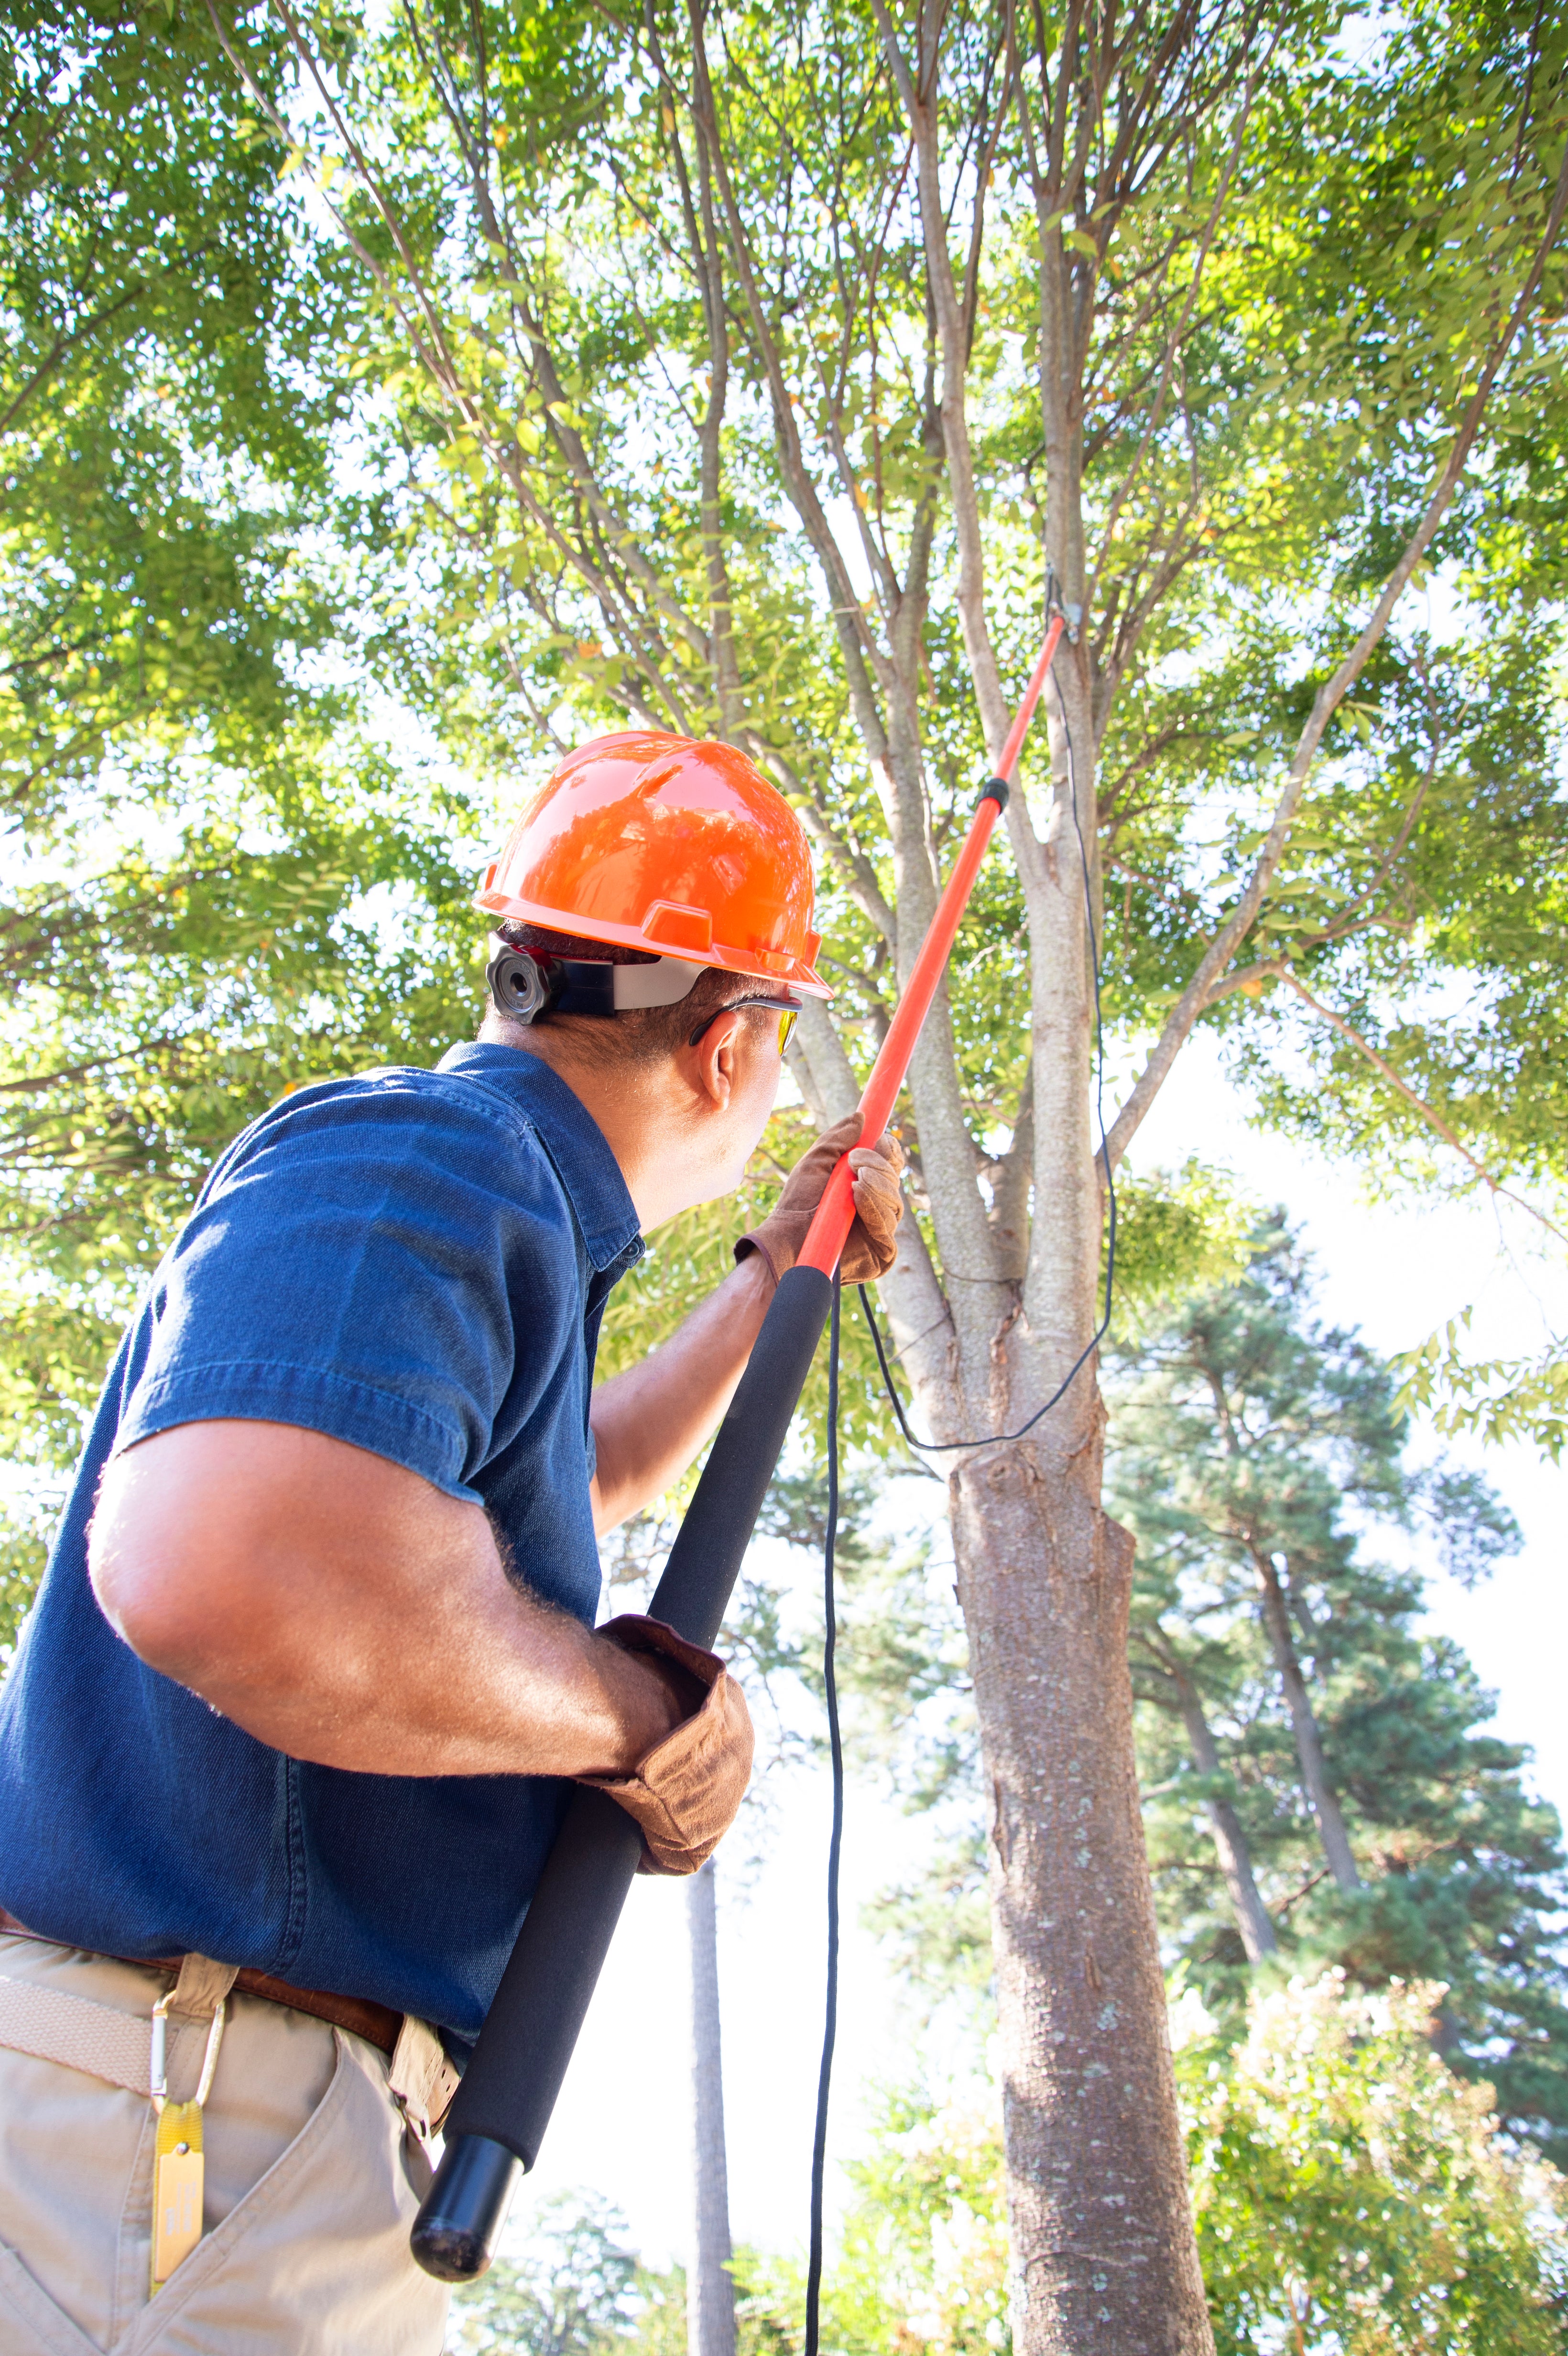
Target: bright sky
(1397, 1272)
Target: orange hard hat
(666, 844)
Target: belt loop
(421, 2078)
(201, 1986)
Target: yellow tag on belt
(178, 2171)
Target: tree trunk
(1253, 1919)
(1332, 1830)
(1104, 2252)
(1104, 2258)
(710, 2286)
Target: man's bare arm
(340, 1609)
(649, 1422)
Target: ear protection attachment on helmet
(518, 984)
(526, 986)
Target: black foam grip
(711, 1545)
(509, 2089)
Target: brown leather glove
(874, 1245)
(685, 1793)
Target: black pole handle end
(462, 2215)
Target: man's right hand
(685, 1792)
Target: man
(280, 1756)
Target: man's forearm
(650, 1422)
(340, 1609)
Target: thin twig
(1173, 342)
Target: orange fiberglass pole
(835, 1216)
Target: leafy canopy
(213, 892)
(1352, 2197)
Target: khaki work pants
(311, 2181)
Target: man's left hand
(872, 1245)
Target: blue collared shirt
(416, 1262)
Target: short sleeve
(356, 1264)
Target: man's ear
(716, 1055)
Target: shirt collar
(570, 1135)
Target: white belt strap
(80, 2035)
(107, 2043)
(117, 2046)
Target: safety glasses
(789, 1014)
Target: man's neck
(641, 1129)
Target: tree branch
(859, 648)
(1195, 997)
(859, 875)
(1173, 342)
(1385, 1070)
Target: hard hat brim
(794, 972)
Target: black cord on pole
(835, 1846)
(994, 1439)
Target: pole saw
(501, 2111)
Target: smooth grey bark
(710, 2286)
(1253, 1919)
(1336, 1850)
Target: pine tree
(1304, 1737)
(1287, 1684)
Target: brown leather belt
(377, 2023)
